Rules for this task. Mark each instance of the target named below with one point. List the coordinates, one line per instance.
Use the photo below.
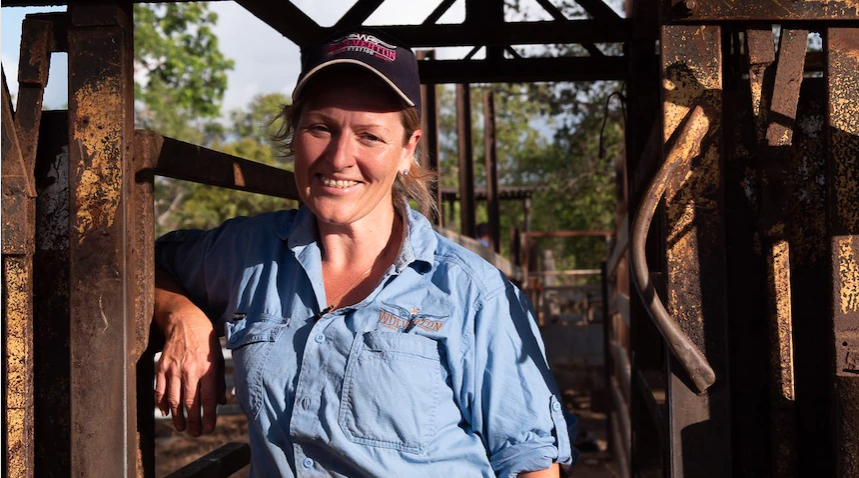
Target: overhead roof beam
(599, 10)
(358, 14)
(287, 19)
(440, 10)
(573, 68)
(531, 33)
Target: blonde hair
(417, 185)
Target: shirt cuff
(524, 457)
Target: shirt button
(305, 403)
(556, 406)
(319, 338)
(308, 463)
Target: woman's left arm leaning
(551, 472)
(190, 372)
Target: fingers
(174, 401)
(191, 396)
(220, 376)
(209, 399)
(160, 389)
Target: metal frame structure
(748, 368)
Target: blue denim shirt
(439, 372)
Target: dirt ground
(175, 450)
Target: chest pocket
(391, 391)
(251, 341)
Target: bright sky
(265, 60)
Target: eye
(318, 128)
(372, 138)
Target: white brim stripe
(378, 73)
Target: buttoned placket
(320, 358)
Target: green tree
(180, 70)
(248, 136)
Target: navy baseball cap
(394, 64)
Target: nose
(341, 151)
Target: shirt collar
(419, 244)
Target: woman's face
(348, 150)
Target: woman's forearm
(551, 472)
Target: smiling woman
(364, 343)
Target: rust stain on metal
(778, 262)
(844, 123)
(848, 274)
(775, 10)
(785, 93)
(238, 177)
(98, 194)
(19, 366)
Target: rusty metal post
(492, 208)
(776, 112)
(842, 46)
(429, 125)
(466, 161)
(699, 425)
(107, 246)
(18, 191)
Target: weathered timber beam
(524, 70)
(176, 159)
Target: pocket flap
(247, 331)
(410, 344)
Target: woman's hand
(190, 373)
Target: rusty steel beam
(779, 98)
(537, 234)
(842, 45)
(429, 125)
(223, 462)
(439, 11)
(511, 33)
(105, 340)
(176, 159)
(36, 42)
(288, 20)
(761, 54)
(785, 94)
(18, 216)
(491, 156)
(466, 161)
(358, 14)
(695, 274)
(573, 68)
(51, 298)
(774, 11)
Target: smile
(338, 183)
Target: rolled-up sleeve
(514, 400)
(183, 255)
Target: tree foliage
(180, 71)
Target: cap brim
(348, 61)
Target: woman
(364, 344)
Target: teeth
(338, 183)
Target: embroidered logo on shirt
(394, 322)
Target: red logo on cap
(363, 43)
